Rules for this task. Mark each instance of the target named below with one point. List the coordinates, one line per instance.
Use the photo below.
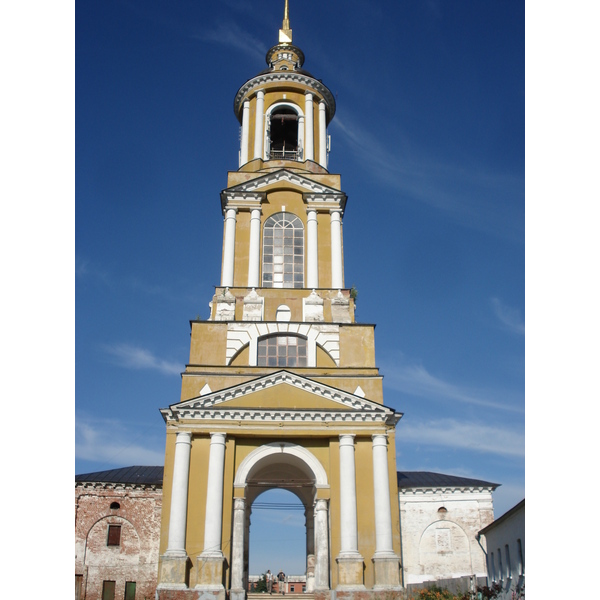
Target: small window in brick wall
(114, 535)
(115, 506)
(130, 590)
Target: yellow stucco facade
(281, 388)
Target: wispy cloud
(416, 380)
(109, 441)
(130, 356)
(232, 35)
(465, 435)
(469, 193)
(508, 316)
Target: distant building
(117, 533)
(440, 517)
(505, 540)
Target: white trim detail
(247, 333)
(286, 448)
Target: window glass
(108, 590)
(283, 251)
(282, 351)
(130, 590)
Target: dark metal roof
(419, 479)
(139, 475)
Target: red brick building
(117, 531)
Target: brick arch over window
(283, 251)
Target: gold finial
(285, 33)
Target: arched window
(282, 350)
(283, 251)
(282, 134)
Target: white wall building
(440, 518)
(505, 541)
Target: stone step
(276, 596)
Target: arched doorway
(290, 467)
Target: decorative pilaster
(312, 252)
(385, 560)
(229, 247)
(321, 545)
(337, 277)
(237, 591)
(309, 144)
(322, 134)
(310, 550)
(259, 124)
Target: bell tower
(281, 389)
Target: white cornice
(212, 407)
(253, 189)
(285, 77)
(420, 490)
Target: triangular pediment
(284, 396)
(308, 187)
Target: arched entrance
(291, 467)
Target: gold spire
(285, 33)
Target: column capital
(309, 94)
(347, 439)
(184, 437)
(239, 504)
(380, 439)
(217, 437)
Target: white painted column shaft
(309, 144)
(259, 124)
(381, 486)
(348, 517)
(322, 135)
(214, 495)
(321, 546)
(312, 252)
(179, 495)
(229, 247)
(254, 251)
(337, 277)
(245, 133)
(237, 544)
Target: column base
(350, 571)
(209, 579)
(387, 571)
(237, 595)
(172, 571)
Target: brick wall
(135, 557)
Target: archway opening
(284, 134)
(278, 539)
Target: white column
(348, 518)
(312, 253)
(309, 145)
(229, 247)
(322, 135)
(381, 486)
(237, 549)
(301, 136)
(321, 545)
(259, 124)
(179, 495)
(245, 133)
(214, 495)
(254, 251)
(337, 279)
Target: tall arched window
(283, 252)
(282, 351)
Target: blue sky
(429, 140)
